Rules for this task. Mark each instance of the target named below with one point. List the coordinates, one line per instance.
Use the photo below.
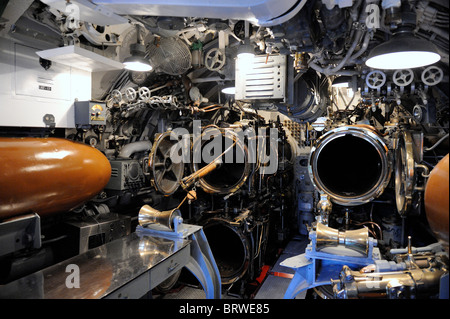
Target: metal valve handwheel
(432, 75)
(144, 93)
(215, 59)
(116, 96)
(403, 77)
(131, 94)
(375, 79)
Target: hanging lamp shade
(403, 51)
(231, 90)
(246, 50)
(137, 61)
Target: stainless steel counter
(127, 267)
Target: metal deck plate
(102, 270)
(273, 286)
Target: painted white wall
(28, 92)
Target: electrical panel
(90, 113)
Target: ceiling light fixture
(403, 50)
(137, 61)
(229, 90)
(246, 50)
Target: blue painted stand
(202, 263)
(317, 268)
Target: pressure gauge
(138, 78)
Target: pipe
(131, 148)
(328, 71)
(426, 149)
(319, 69)
(349, 52)
(363, 47)
(354, 13)
(435, 30)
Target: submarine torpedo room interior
(255, 149)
